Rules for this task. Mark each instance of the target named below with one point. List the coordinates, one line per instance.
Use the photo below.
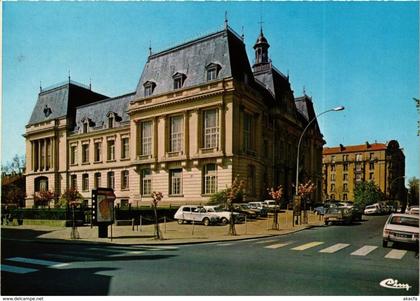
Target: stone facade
(200, 116)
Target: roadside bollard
(132, 224)
(193, 227)
(164, 222)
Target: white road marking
(396, 254)
(308, 245)
(102, 250)
(33, 261)
(130, 253)
(276, 246)
(17, 270)
(60, 265)
(265, 241)
(334, 248)
(363, 251)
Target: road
(333, 260)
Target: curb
(87, 242)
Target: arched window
(41, 184)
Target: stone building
(200, 115)
(345, 166)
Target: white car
(414, 210)
(401, 228)
(372, 209)
(222, 214)
(194, 213)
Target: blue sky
(363, 55)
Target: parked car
(320, 210)
(223, 215)
(372, 209)
(271, 204)
(401, 227)
(198, 214)
(259, 208)
(413, 210)
(243, 208)
(341, 215)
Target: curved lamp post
(340, 108)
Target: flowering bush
(157, 197)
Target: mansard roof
(61, 101)
(274, 81)
(224, 48)
(99, 112)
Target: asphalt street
(327, 260)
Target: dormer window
(47, 111)
(179, 79)
(110, 122)
(86, 123)
(212, 71)
(148, 88)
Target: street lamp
(340, 108)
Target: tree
(233, 193)
(413, 191)
(70, 197)
(276, 195)
(156, 198)
(304, 191)
(367, 193)
(43, 198)
(15, 167)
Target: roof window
(179, 79)
(212, 71)
(149, 87)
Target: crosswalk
(327, 248)
(26, 265)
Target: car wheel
(224, 221)
(206, 221)
(180, 221)
(384, 244)
(326, 223)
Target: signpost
(103, 209)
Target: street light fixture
(336, 109)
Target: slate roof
(274, 81)
(224, 48)
(61, 101)
(97, 112)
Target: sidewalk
(172, 232)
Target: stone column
(187, 133)
(39, 155)
(221, 113)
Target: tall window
(371, 165)
(211, 73)
(146, 138)
(211, 129)
(148, 88)
(85, 182)
(176, 133)
(345, 177)
(251, 180)
(48, 151)
(345, 197)
(248, 132)
(359, 157)
(97, 180)
(124, 179)
(358, 166)
(332, 167)
(210, 178)
(73, 181)
(345, 166)
(175, 182)
(345, 187)
(110, 122)
(98, 151)
(146, 181)
(111, 150)
(111, 179)
(332, 187)
(73, 154)
(85, 153)
(125, 148)
(345, 158)
(332, 177)
(179, 79)
(371, 176)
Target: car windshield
(218, 209)
(405, 221)
(333, 210)
(370, 207)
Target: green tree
(413, 191)
(367, 193)
(70, 197)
